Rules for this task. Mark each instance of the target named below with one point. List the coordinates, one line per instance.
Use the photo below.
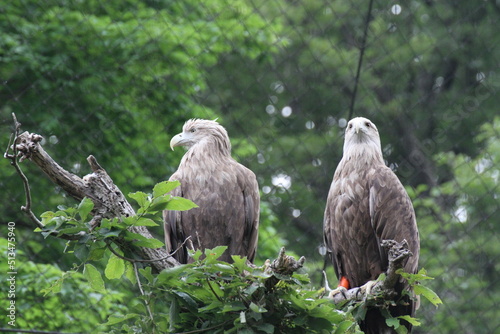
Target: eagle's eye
(350, 125)
(367, 124)
(192, 130)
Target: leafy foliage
(207, 294)
(218, 297)
(44, 284)
(462, 214)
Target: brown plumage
(226, 192)
(367, 204)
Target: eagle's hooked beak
(176, 140)
(356, 128)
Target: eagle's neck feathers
(361, 155)
(211, 152)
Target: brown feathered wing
(227, 196)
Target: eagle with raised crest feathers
(367, 204)
(226, 192)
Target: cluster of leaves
(459, 220)
(207, 294)
(84, 308)
(76, 221)
(217, 297)
(91, 243)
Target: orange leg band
(344, 282)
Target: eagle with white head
(226, 192)
(367, 204)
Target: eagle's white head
(362, 140)
(203, 134)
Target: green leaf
(256, 308)
(195, 254)
(141, 241)
(215, 305)
(414, 278)
(149, 243)
(215, 253)
(97, 253)
(180, 204)
(115, 267)
(146, 272)
(110, 223)
(94, 278)
(174, 315)
(266, 328)
(188, 301)
(72, 230)
(82, 251)
(159, 203)
(164, 187)
(170, 275)
(410, 319)
(301, 278)
(85, 207)
(140, 197)
(392, 322)
(428, 294)
(344, 326)
(113, 319)
(139, 221)
(239, 262)
(234, 306)
(130, 273)
(47, 216)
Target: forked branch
(109, 201)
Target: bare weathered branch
(98, 186)
(283, 265)
(286, 264)
(13, 161)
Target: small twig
(213, 291)
(13, 161)
(204, 329)
(146, 261)
(136, 272)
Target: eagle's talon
(367, 287)
(336, 291)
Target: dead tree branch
(283, 265)
(109, 201)
(13, 161)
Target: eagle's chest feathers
(351, 193)
(207, 175)
(352, 186)
(357, 167)
(353, 182)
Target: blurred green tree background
(117, 79)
